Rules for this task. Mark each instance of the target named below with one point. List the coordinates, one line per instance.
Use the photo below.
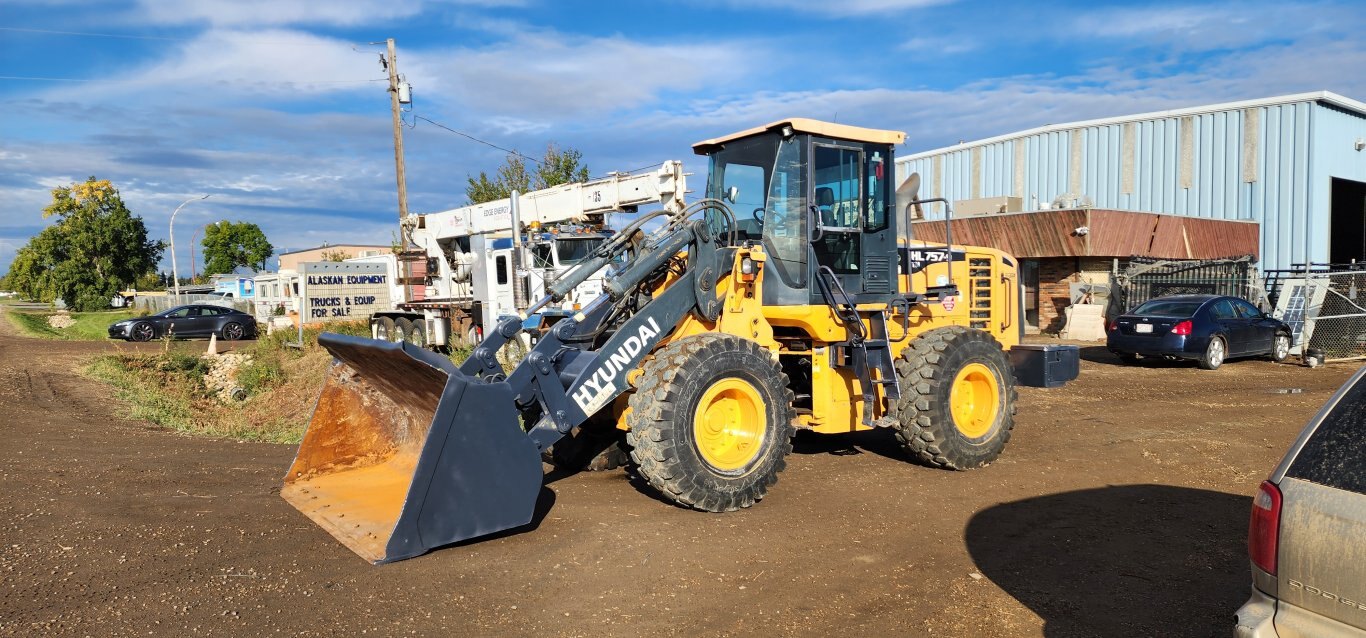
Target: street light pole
(175, 271)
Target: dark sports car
(187, 321)
(1204, 328)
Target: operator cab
(820, 198)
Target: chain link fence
(1327, 311)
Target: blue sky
(272, 106)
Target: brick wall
(1055, 276)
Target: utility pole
(194, 237)
(392, 63)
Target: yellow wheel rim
(729, 424)
(975, 400)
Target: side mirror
(731, 193)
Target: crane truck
(485, 261)
(791, 297)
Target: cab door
(852, 234)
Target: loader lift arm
(566, 378)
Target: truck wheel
(957, 402)
(711, 422)
(384, 329)
(416, 333)
(402, 326)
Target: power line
(473, 138)
(512, 152)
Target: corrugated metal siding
(1112, 233)
(1290, 203)
(1334, 155)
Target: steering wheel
(758, 216)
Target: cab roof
(805, 125)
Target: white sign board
(339, 291)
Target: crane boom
(578, 202)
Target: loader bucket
(404, 453)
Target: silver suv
(1307, 538)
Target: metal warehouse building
(1295, 165)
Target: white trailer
(485, 261)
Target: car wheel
(1280, 347)
(1214, 354)
(142, 331)
(233, 331)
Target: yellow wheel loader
(790, 297)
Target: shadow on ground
(1134, 560)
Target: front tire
(957, 404)
(711, 423)
(1280, 347)
(1215, 353)
(142, 331)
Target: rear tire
(402, 326)
(233, 331)
(384, 329)
(957, 404)
(1215, 353)
(1280, 347)
(711, 422)
(416, 333)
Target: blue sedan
(1204, 328)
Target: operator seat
(825, 203)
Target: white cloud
(939, 45)
(240, 13)
(848, 8)
(1210, 27)
(226, 63)
(538, 77)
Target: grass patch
(89, 326)
(282, 382)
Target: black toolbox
(1045, 365)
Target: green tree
(94, 249)
(228, 245)
(556, 167)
